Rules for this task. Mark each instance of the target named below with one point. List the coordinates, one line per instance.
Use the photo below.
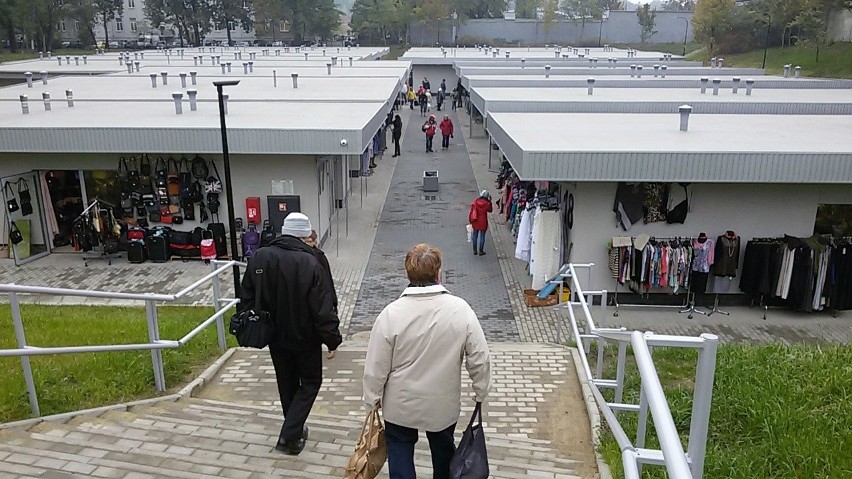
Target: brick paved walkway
(408, 218)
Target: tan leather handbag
(371, 452)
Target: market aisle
(410, 217)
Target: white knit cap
(296, 224)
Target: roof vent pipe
(684, 110)
(153, 80)
(192, 76)
(29, 76)
(591, 83)
(334, 61)
(328, 67)
(120, 59)
(25, 105)
(798, 72)
(59, 60)
(43, 74)
(136, 66)
(587, 51)
(614, 62)
(278, 53)
(129, 67)
(749, 86)
(638, 71)
(306, 56)
(85, 59)
(720, 62)
(223, 68)
(713, 62)
(547, 71)
(41, 55)
(736, 83)
(228, 64)
(663, 69)
(195, 60)
(76, 61)
(251, 66)
(350, 61)
(192, 94)
(507, 55)
(704, 81)
(632, 71)
(225, 102)
(716, 83)
(45, 96)
(787, 70)
(595, 65)
(165, 76)
(523, 62)
(236, 56)
(213, 60)
(274, 78)
(245, 68)
(135, 55)
(178, 97)
(69, 96)
(295, 77)
(656, 70)
(49, 54)
(182, 80)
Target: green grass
(5, 56)
(673, 48)
(778, 412)
(78, 381)
(396, 51)
(835, 61)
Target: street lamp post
(685, 33)
(766, 42)
(229, 191)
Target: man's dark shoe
(293, 448)
(481, 253)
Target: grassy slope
(673, 48)
(5, 56)
(835, 61)
(778, 412)
(70, 382)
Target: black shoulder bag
(25, 197)
(253, 327)
(15, 235)
(11, 200)
(470, 460)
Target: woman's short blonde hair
(422, 264)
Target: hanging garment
(628, 205)
(548, 252)
(703, 255)
(524, 245)
(727, 256)
(536, 227)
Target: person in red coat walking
(446, 131)
(429, 128)
(478, 218)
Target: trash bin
(430, 180)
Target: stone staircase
(202, 438)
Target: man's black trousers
(299, 375)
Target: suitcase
(268, 233)
(220, 239)
(136, 253)
(185, 251)
(158, 249)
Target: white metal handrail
(154, 344)
(678, 463)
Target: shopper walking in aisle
(444, 84)
(296, 291)
(426, 85)
(397, 134)
(423, 100)
(413, 365)
(478, 218)
(439, 99)
(430, 127)
(446, 132)
(411, 96)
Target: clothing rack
(686, 304)
(99, 250)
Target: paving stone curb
(594, 415)
(188, 391)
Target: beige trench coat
(413, 366)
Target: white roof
(647, 81)
(605, 70)
(473, 53)
(662, 100)
(717, 148)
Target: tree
(268, 15)
(8, 23)
(679, 5)
(584, 10)
(84, 12)
(712, 19)
(108, 10)
(374, 20)
(647, 21)
(610, 5)
(431, 13)
(324, 19)
(230, 12)
(38, 20)
(548, 15)
(191, 17)
(478, 8)
(526, 8)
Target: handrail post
(217, 305)
(601, 341)
(701, 401)
(153, 336)
(18, 322)
(619, 374)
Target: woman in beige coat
(413, 366)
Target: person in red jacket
(446, 132)
(429, 128)
(478, 218)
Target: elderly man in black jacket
(299, 296)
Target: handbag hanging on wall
(25, 197)
(15, 235)
(11, 200)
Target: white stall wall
(435, 73)
(752, 210)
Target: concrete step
(195, 438)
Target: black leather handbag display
(253, 328)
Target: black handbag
(11, 200)
(24, 197)
(15, 235)
(471, 458)
(253, 327)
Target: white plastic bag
(469, 233)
